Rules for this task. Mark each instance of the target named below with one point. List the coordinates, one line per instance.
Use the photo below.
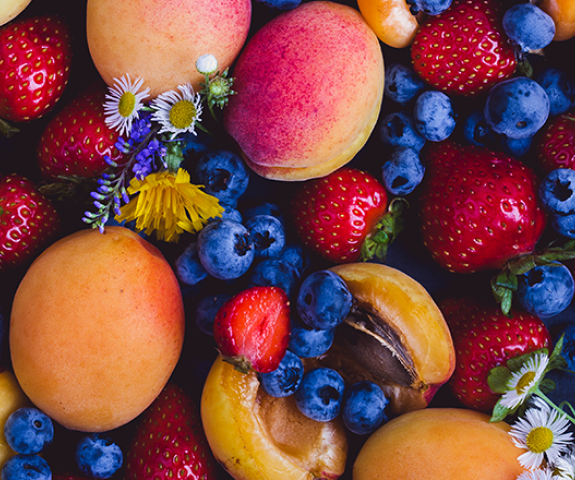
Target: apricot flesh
(96, 329)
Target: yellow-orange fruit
(96, 329)
(563, 14)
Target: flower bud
(206, 64)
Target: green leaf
(498, 379)
(7, 130)
(547, 385)
(515, 363)
(499, 412)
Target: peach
(563, 14)
(96, 328)
(445, 443)
(161, 41)
(258, 437)
(309, 90)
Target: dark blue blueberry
(296, 255)
(560, 89)
(275, 272)
(433, 7)
(564, 390)
(98, 456)
(308, 342)
(268, 235)
(476, 131)
(320, 394)
(26, 467)
(564, 225)
(557, 192)
(266, 208)
(515, 147)
(528, 26)
(546, 290)
(402, 84)
(517, 107)
(282, 5)
(398, 129)
(188, 267)
(206, 310)
(285, 379)
(434, 115)
(363, 409)
(28, 430)
(226, 249)
(200, 142)
(568, 351)
(231, 213)
(224, 175)
(323, 300)
(403, 171)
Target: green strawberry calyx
(7, 130)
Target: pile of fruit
(275, 239)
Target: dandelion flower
(177, 112)
(123, 103)
(525, 381)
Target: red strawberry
(35, 57)
(484, 338)
(478, 209)
(75, 141)
(555, 146)
(464, 50)
(170, 441)
(339, 216)
(27, 220)
(252, 329)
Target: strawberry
(464, 50)
(27, 220)
(170, 441)
(75, 141)
(35, 58)
(478, 209)
(344, 216)
(252, 329)
(484, 338)
(555, 145)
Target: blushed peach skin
(160, 41)
(563, 14)
(309, 90)
(97, 327)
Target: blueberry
(568, 351)
(476, 131)
(308, 342)
(434, 115)
(320, 394)
(323, 300)
(206, 310)
(26, 467)
(556, 191)
(223, 175)
(564, 225)
(198, 142)
(284, 380)
(226, 249)
(546, 290)
(560, 89)
(403, 171)
(516, 147)
(433, 7)
(274, 272)
(402, 84)
(296, 255)
(517, 107)
(268, 235)
(230, 213)
(363, 408)
(280, 4)
(188, 267)
(98, 456)
(398, 129)
(266, 208)
(528, 26)
(28, 430)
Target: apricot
(445, 443)
(563, 14)
(309, 90)
(10, 9)
(96, 328)
(161, 41)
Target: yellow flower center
(524, 382)
(539, 439)
(126, 104)
(183, 114)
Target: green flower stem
(544, 397)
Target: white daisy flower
(539, 474)
(177, 112)
(206, 64)
(523, 382)
(543, 433)
(123, 103)
(564, 466)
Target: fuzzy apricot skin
(96, 329)
(563, 14)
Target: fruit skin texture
(10, 9)
(258, 437)
(334, 215)
(563, 14)
(447, 443)
(478, 208)
(300, 111)
(97, 327)
(35, 57)
(485, 338)
(161, 42)
(469, 22)
(28, 220)
(555, 145)
(170, 440)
